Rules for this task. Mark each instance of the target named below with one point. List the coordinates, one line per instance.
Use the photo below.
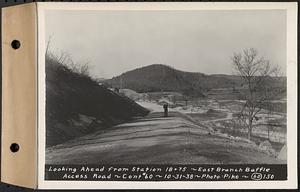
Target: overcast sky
(199, 41)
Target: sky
(114, 42)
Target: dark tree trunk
(250, 129)
(249, 134)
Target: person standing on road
(165, 109)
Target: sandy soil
(157, 140)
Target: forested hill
(158, 77)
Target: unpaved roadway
(157, 140)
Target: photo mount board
(23, 98)
(19, 98)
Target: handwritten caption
(165, 173)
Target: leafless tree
(48, 44)
(65, 59)
(257, 74)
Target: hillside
(77, 105)
(162, 78)
(159, 77)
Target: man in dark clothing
(165, 109)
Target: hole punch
(15, 44)
(14, 147)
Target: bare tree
(48, 44)
(65, 59)
(84, 68)
(257, 74)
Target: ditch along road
(155, 139)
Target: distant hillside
(159, 77)
(76, 105)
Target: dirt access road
(157, 140)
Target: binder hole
(14, 147)
(15, 44)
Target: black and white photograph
(165, 87)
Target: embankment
(77, 105)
